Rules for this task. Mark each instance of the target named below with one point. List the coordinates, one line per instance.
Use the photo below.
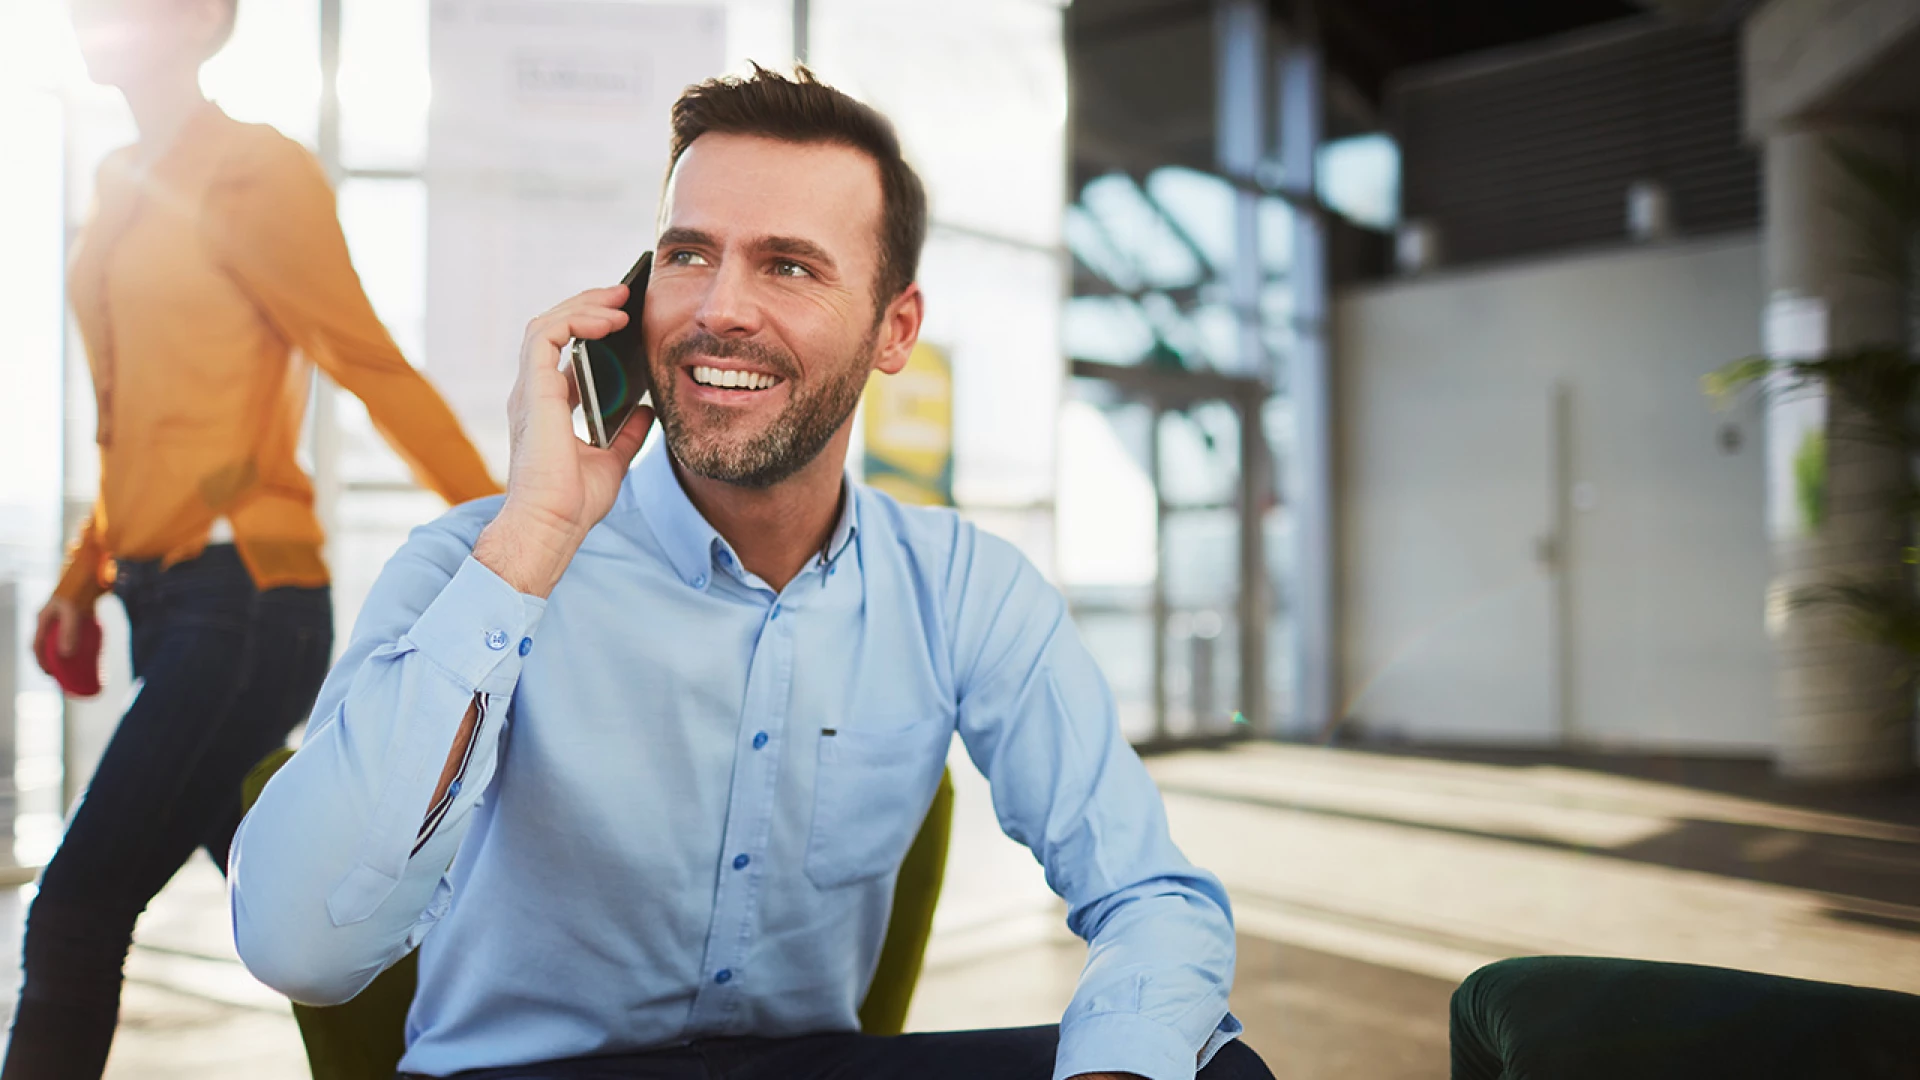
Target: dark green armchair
(1596, 1018)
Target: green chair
(364, 1039)
(1594, 1018)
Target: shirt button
(496, 639)
(759, 740)
(700, 582)
(526, 645)
(740, 862)
(723, 976)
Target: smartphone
(611, 372)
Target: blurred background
(1366, 373)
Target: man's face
(760, 319)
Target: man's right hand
(60, 618)
(558, 487)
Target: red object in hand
(79, 673)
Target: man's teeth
(732, 379)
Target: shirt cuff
(478, 629)
(1228, 1030)
(1130, 1043)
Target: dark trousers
(1000, 1054)
(227, 671)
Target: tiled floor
(1365, 885)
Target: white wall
(1654, 636)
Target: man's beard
(718, 451)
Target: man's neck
(775, 530)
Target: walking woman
(213, 269)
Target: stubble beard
(708, 442)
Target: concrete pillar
(1846, 703)
(1242, 78)
(1316, 634)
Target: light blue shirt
(689, 795)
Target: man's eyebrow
(688, 237)
(796, 247)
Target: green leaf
(1726, 382)
(1810, 479)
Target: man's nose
(730, 308)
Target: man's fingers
(611, 296)
(556, 327)
(541, 362)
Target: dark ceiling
(1142, 70)
(1368, 40)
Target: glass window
(31, 260)
(1202, 206)
(996, 309)
(978, 92)
(1200, 456)
(36, 47)
(270, 72)
(1110, 329)
(1276, 236)
(1088, 242)
(1137, 229)
(1106, 506)
(386, 226)
(384, 85)
(1360, 178)
(1106, 546)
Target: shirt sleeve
(333, 876)
(1038, 719)
(274, 224)
(88, 571)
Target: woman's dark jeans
(227, 671)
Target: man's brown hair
(805, 110)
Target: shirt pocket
(871, 790)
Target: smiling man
(634, 757)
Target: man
(675, 729)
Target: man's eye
(685, 258)
(789, 268)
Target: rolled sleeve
(1131, 1043)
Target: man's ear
(899, 330)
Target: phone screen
(613, 369)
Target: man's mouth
(732, 378)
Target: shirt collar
(847, 528)
(690, 542)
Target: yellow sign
(909, 430)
